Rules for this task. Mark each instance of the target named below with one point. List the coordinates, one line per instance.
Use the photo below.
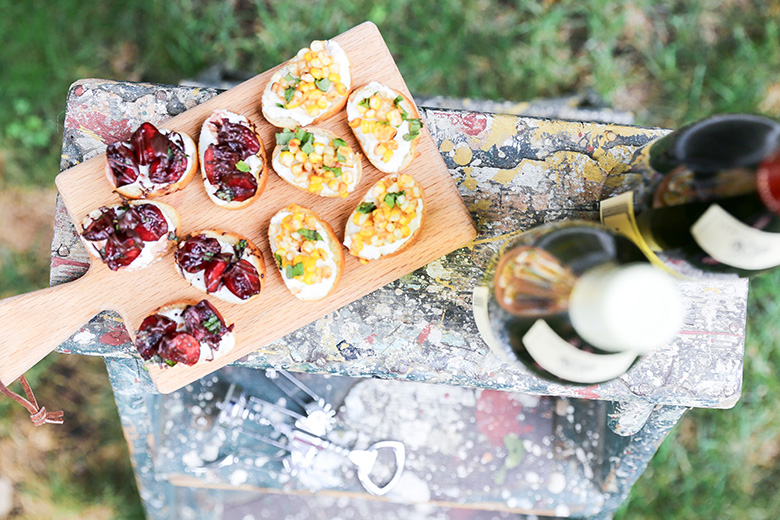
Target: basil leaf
(239, 247)
(242, 166)
(169, 362)
(322, 84)
(363, 103)
(309, 234)
(398, 99)
(366, 207)
(339, 142)
(278, 259)
(414, 129)
(292, 79)
(294, 270)
(289, 92)
(283, 137)
(391, 199)
(336, 171)
(307, 147)
(340, 158)
(212, 324)
(280, 105)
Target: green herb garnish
(414, 129)
(283, 138)
(281, 105)
(366, 207)
(172, 236)
(225, 194)
(242, 166)
(363, 103)
(340, 158)
(336, 170)
(322, 84)
(212, 324)
(169, 362)
(309, 234)
(289, 78)
(239, 247)
(338, 142)
(278, 259)
(294, 270)
(289, 92)
(307, 147)
(391, 199)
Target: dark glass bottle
(577, 303)
(716, 203)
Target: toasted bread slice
(221, 263)
(151, 163)
(317, 161)
(114, 237)
(388, 220)
(185, 332)
(233, 161)
(311, 87)
(387, 126)
(307, 252)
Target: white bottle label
(734, 243)
(564, 360)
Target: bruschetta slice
(223, 264)
(307, 252)
(386, 124)
(317, 160)
(388, 220)
(184, 332)
(151, 163)
(232, 160)
(132, 235)
(309, 88)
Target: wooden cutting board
(34, 324)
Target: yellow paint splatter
(444, 284)
(463, 155)
(505, 176)
(481, 205)
(577, 163)
(469, 182)
(447, 146)
(501, 128)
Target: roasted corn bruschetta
(386, 124)
(307, 252)
(309, 88)
(317, 160)
(388, 220)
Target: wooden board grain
(276, 312)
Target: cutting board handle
(34, 324)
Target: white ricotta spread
(299, 289)
(143, 182)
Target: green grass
(669, 62)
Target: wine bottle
(716, 204)
(577, 303)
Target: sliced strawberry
(196, 252)
(213, 272)
(102, 227)
(123, 163)
(241, 278)
(180, 347)
(120, 250)
(152, 224)
(150, 334)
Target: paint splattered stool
(484, 439)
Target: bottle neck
(632, 307)
(768, 183)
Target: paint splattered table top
(513, 173)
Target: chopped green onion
(239, 247)
(212, 324)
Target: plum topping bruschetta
(386, 124)
(184, 333)
(307, 252)
(130, 236)
(388, 220)
(224, 264)
(312, 86)
(232, 159)
(317, 160)
(152, 163)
